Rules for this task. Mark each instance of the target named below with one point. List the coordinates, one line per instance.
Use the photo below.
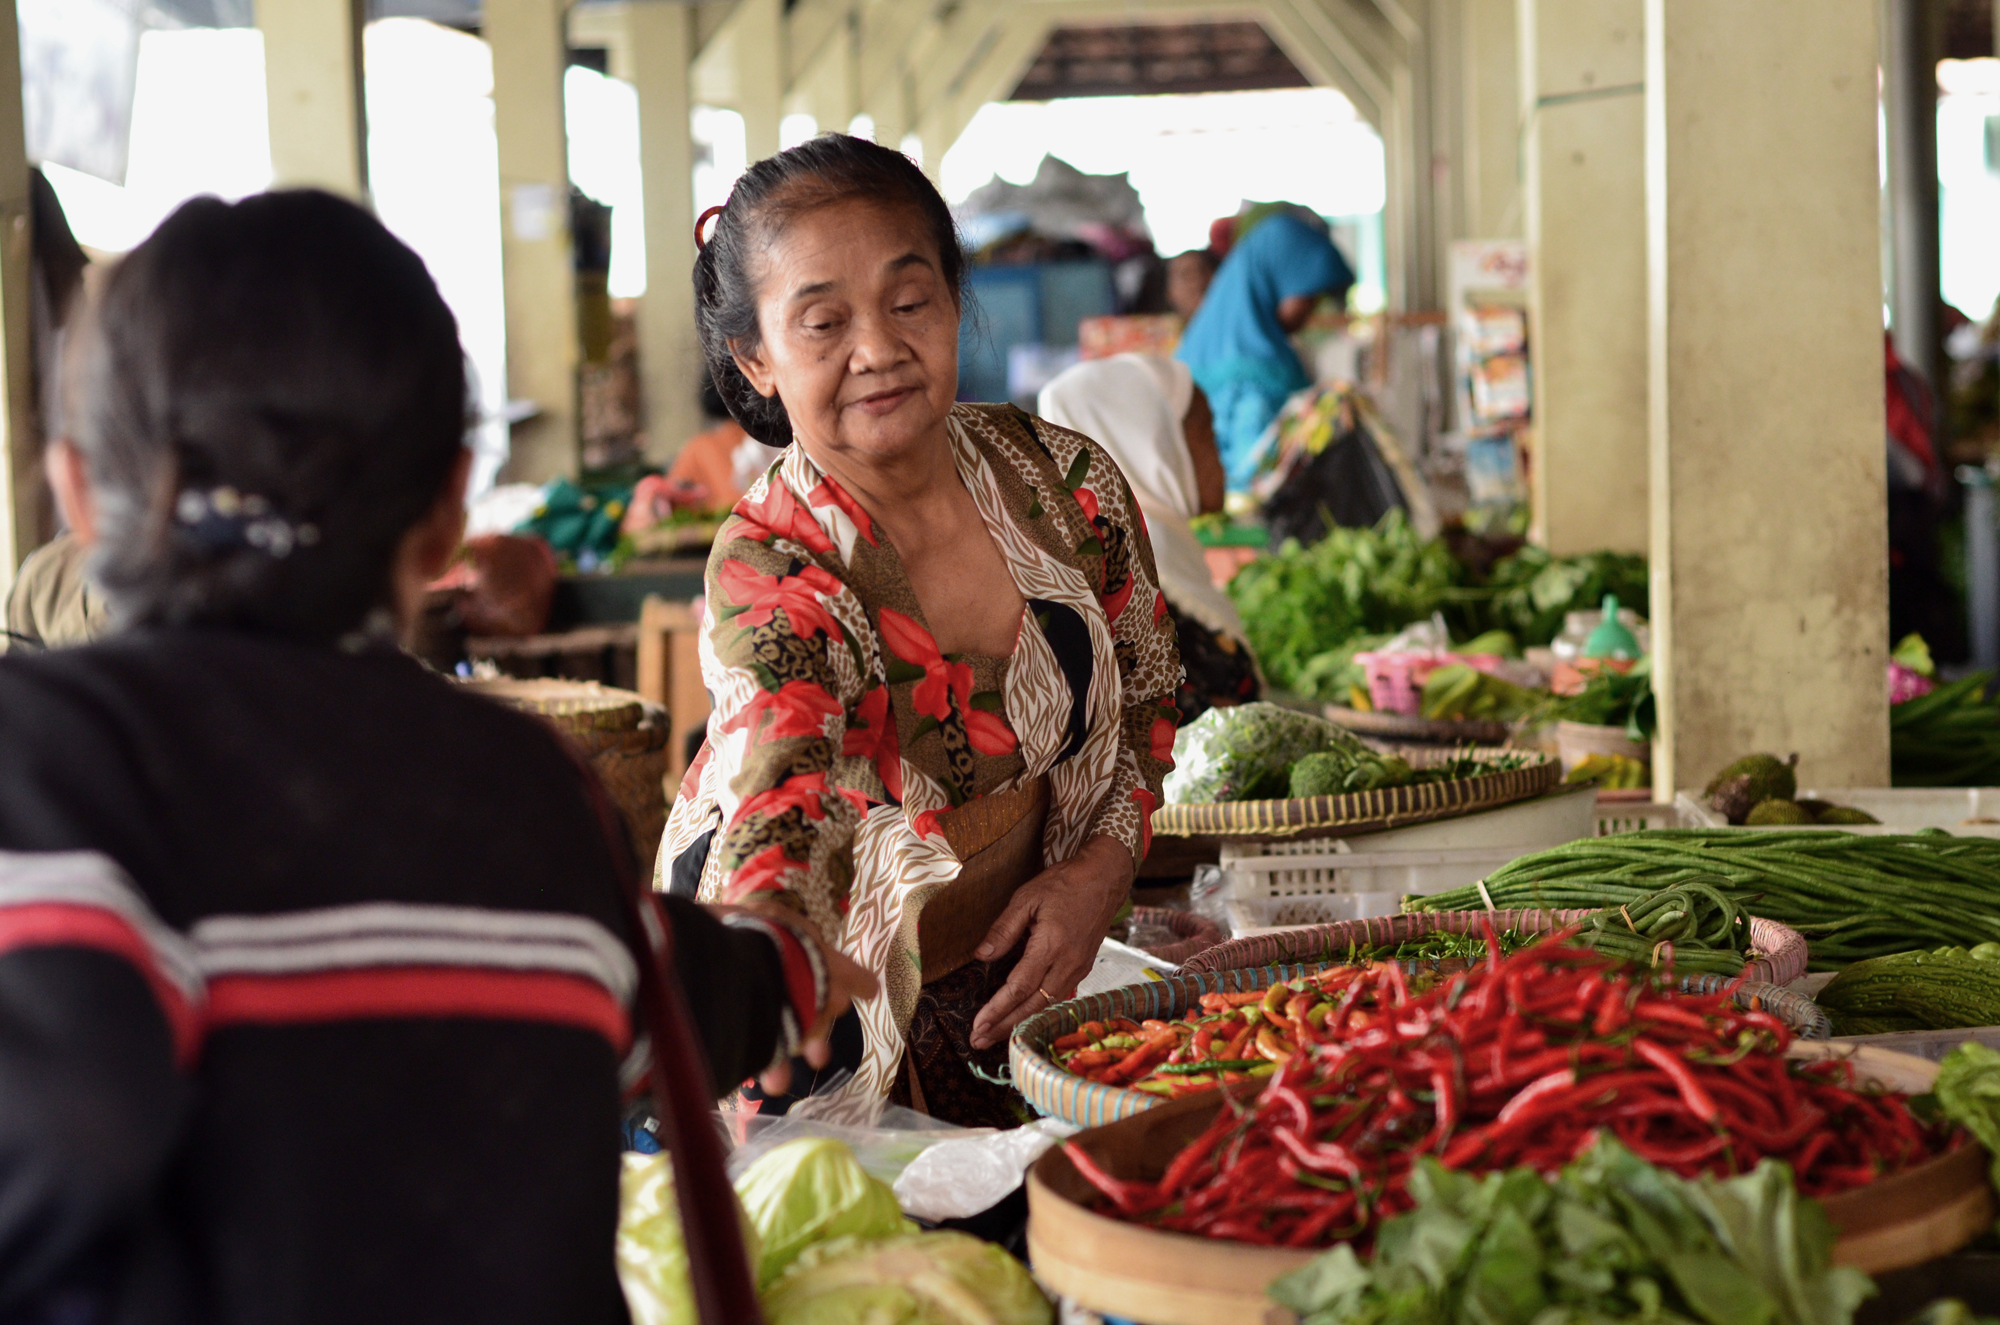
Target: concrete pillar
(1910, 49)
(1583, 146)
(21, 474)
(313, 85)
(1769, 533)
(529, 57)
(1492, 82)
(661, 40)
(759, 34)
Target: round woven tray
(1781, 949)
(1361, 812)
(584, 709)
(1065, 1095)
(1424, 731)
(630, 757)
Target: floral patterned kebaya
(840, 731)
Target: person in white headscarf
(1155, 422)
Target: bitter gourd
(1937, 990)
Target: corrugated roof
(1129, 59)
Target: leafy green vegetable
(1302, 604)
(809, 1191)
(1246, 752)
(916, 1279)
(1612, 699)
(1968, 1091)
(1610, 1238)
(1531, 592)
(1464, 765)
(651, 1252)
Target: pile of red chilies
(1519, 1062)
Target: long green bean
(1852, 896)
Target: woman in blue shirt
(1239, 342)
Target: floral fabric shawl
(839, 731)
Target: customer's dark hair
(268, 396)
(831, 168)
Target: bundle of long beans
(1692, 926)
(1851, 896)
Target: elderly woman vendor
(941, 666)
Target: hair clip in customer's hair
(223, 519)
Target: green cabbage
(810, 1191)
(916, 1279)
(652, 1255)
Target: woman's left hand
(1065, 911)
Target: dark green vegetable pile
(1948, 738)
(1612, 699)
(1308, 609)
(1852, 897)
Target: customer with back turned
(1239, 341)
(318, 978)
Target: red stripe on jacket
(383, 993)
(81, 925)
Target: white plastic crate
(1635, 816)
(1320, 880)
(1967, 811)
(1285, 886)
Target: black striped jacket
(316, 994)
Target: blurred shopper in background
(1148, 413)
(1239, 342)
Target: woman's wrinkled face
(859, 330)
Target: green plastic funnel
(1611, 639)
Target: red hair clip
(700, 240)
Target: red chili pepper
(1653, 1009)
(1699, 1102)
(1130, 1197)
(1611, 1010)
(1542, 1087)
(1088, 1033)
(1141, 1060)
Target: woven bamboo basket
(1192, 933)
(628, 753)
(1781, 950)
(1062, 1094)
(1424, 731)
(1361, 812)
(1177, 1279)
